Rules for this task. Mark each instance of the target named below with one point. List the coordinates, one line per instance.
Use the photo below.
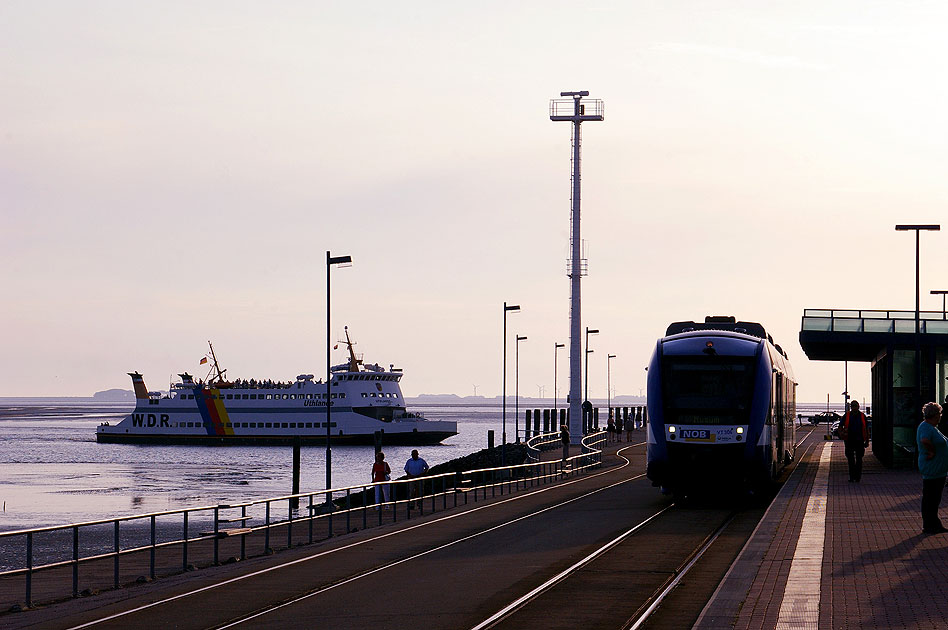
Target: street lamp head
(588, 351)
(559, 345)
(939, 292)
(338, 260)
(511, 307)
(610, 356)
(519, 338)
(906, 228)
(592, 331)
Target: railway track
(557, 558)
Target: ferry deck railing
(205, 534)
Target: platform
(876, 569)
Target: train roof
(726, 323)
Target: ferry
(364, 399)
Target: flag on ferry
(203, 360)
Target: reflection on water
(52, 471)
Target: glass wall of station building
(896, 412)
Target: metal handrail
(850, 313)
(321, 504)
(541, 442)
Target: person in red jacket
(855, 434)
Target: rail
(874, 321)
(204, 534)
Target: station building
(908, 368)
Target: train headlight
(740, 430)
(671, 433)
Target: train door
(779, 412)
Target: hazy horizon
(175, 173)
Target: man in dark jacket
(856, 435)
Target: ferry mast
(576, 111)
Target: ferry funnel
(138, 382)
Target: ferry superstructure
(364, 398)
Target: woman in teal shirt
(933, 464)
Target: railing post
(115, 579)
(151, 563)
(184, 553)
(243, 537)
(312, 517)
(289, 524)
(75, 561)
(348, 511)
(266, 537)
(329, 505)
(217, 529)
(29, 569)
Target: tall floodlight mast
(576, 111)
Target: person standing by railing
(564, 438)
(381, 471)
(415, 467)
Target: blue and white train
(721, 407)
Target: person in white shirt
(415, 467)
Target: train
(721, 408)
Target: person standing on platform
(855, 434)
(629, 425)
(381, 471)
(933, 464)
(610, 428)
(415, 467)
(564, 438)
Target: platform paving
(876, 567)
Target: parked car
(825, 417)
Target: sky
(173, 173)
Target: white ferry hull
(363, 403)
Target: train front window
(712, 390)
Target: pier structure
(573, 109)
(823, 553)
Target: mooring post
(295, 501)
(490, 439)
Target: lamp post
(589, 331)
(587, 406)
(330, 261)
(944, 315)
(609, 358)
(556, 353)
(918, 352)
(515, 308)
(517, 389)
